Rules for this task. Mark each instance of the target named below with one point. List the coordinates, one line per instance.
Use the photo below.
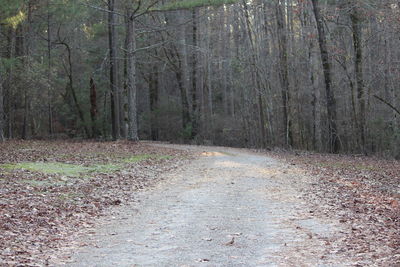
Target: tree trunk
(256, 77)
(184, 102)
(93, 107)
(115, 112)
(131, 78)
(183, 79)
(153, 94)
(317, 142)
(283, 72)
(27, 64)
(71, 87)
(334, 142)
(9, 95)
(357, 39)
(2, 125)
(49, 103)
(195, 116)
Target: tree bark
(334, 142)
(195, 115)
(153, 94)
(2, 115)
(131, 77)
(358, 64)
(256, 77)
(27, 64)
(49, 94)
(9, 96)
(283, 72)
(93, 107)
(115, 112)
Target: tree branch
(103, 9)
(387, 103)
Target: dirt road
(230, 207)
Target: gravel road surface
(229, 207)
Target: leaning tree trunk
(131, 77)
(71, 87)
(334, 142)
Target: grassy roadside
(50, 189)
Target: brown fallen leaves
(39, 211)
(363, 193)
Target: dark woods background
(315, 75)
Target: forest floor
(50, 190)
(170, 205)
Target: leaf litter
(363, 194)
(52, 189)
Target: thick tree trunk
(334, 142)
(131, 78)
(115, 112)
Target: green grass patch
(70, 170)
(104, 168)
(141, 157)
(43, 183)
(137, 158)
(76, 170)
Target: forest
(318, 75)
